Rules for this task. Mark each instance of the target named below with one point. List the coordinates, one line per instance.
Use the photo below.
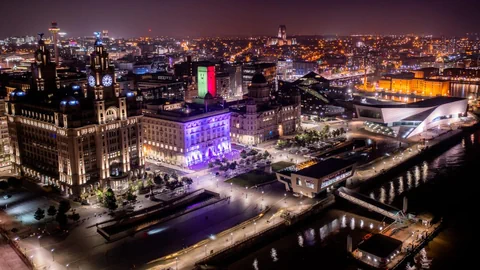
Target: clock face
(107, 80)
(91, 81)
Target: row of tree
(11, 182)
(60, 214)
(312, 136)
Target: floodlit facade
(259, 119)
(407, 120)
(186, 134)
(74, 138)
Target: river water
(444, 184)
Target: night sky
(129, 18)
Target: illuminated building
(206, 80)
(268, 70)
(223, 86)
(281, 38)
(258, 118)
(54, 30)
(4, 139)
(415, 83)
(74, 138)
(185, 134)
(316, 179)
(407, 120)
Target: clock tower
(44, 70)
(101, 84)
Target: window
(299, 181)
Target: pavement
(9, 260)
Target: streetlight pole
(246, 194)
(53, 258)
(262, 194)
(255, 227)
(205, 250)
(176, 263)
(231, 187)
(231, 238)
(285, 198)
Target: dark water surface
(445, 185)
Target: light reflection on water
(419, 174)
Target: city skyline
(224, 18)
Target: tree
(210, 165)
(342, 130)
(224, 160)
(281, 144)
(61, 218)
(266, 154)
(110, 201)
(52, 211)
(39, 214)
(99, 194)
(4, 185)
(131, 197)
(243, 154)
(187, 181)
(326, 129)
(14, 182)
(233, 165)
(64, 206)
(75, 216)
(252, 152)
(149, 183)
(158, 180)
(248, 162)
(218, 162)
(166, 178)
(174, 175)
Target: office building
(185, 134)
(259, 118)
(268, 70)
(76, 139)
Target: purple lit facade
(185, 138)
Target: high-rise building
(206, 80)
(54, 30)
(74, 138)
(282, 32)
(4, 139)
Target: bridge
(371, 204)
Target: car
(6, 197)
(295, 194)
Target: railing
(16, 248)
(370, 206)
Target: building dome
(208, 96)
(258, 78)
(69, 103)
(16, 94)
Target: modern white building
(407, 120)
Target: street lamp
(246, 194)
(52, 250)
(205, 247)
(67, 265)
(285, 197)
(176, 263)
(231, 238)
(262, 194)
(231, 187)
(255, 227)
(384, 165)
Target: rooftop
(380, 245)
(431, 102)
(326, 167)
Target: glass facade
(370, 113)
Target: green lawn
(252, 178)
(277, 166)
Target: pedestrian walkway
(9, 259)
